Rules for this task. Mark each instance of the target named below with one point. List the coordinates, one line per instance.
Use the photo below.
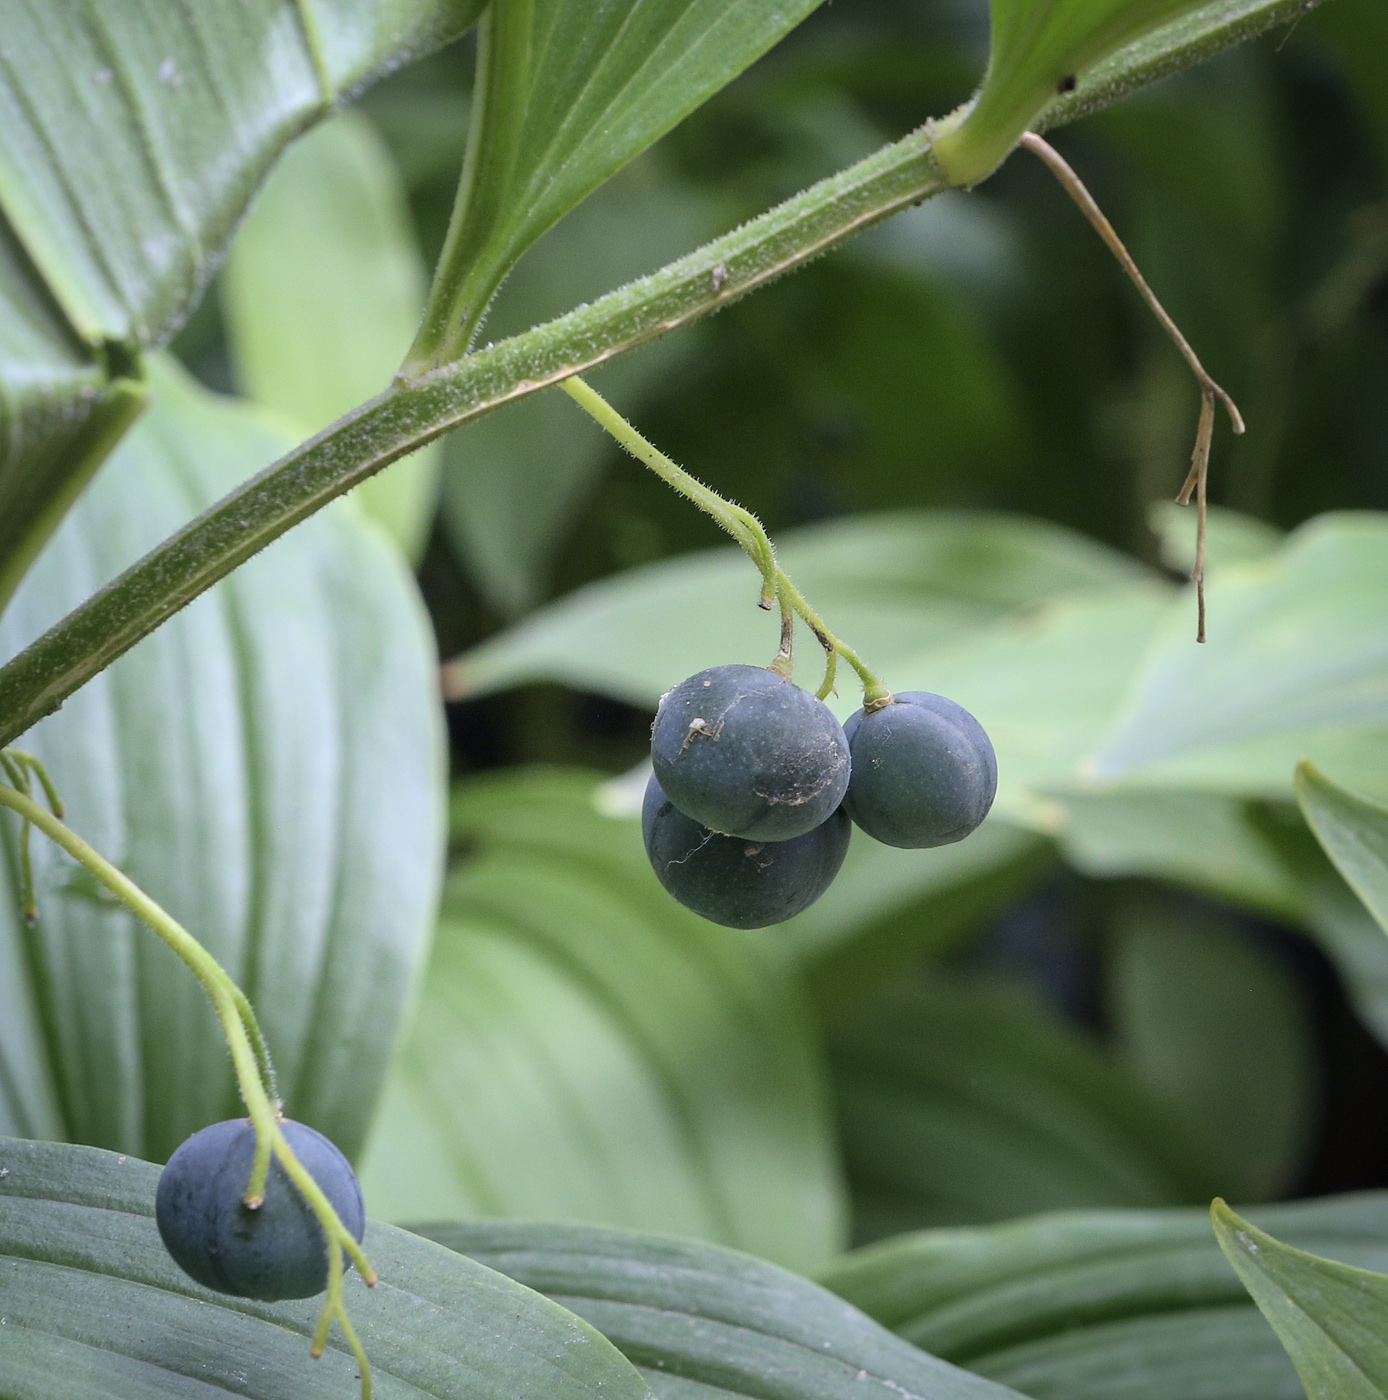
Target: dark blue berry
(748, 753)
(276, 1251)
(924, 772)
(734, 881)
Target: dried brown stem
(1198, 476)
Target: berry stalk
(250, 1056)
(748, 531)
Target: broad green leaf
(586, 1049)
(94, 1307)
(1231, 538)
(1297, 663)
(1045, 683)
(1204, 841)
(1101, 1305)
(515, 479)
(322, 295)
(1354, 832)
(1329, 1316)
(568, 92)
(964, 1102)
(891, 584)
(1216, 1023)
(702, 1323)
(134, 140)
(268, 767)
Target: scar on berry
(1066, 84)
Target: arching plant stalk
(250, 1056)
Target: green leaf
(1354, 832)
(1329, 1316)
(703, 1324)
(1101, 1305)
(1051, 58)
(1202, 840)
(1215, 1023)
(1230, 537)
(891, 583)
(133, 145)
(961, 1102)
(93, 1306)
(269, 768)
(1333, 916)
(585, 1048)
(515, 479)
(567, 93)
(1297, 663)
(322, 295)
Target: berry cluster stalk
(250, 1056)
(747, 530)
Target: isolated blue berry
(748, 753)
(276, 1251)
(734, 881)
(924, 772)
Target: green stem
(415, 411)
(741, 524)
(747, 530)
(249, 1056)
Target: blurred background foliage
(1141, 983)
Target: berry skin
(924, 772)
(733, 881)
(746, 752)
(277, 1251)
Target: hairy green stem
(740, 523)
(413, 412)
(747, 530)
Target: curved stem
(250, 1057)
(747, 530)
(741, 524)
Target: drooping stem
(741, 524)
(1209, 390)
(255, 1076)
(747, 530)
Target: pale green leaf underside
(1354, 832)
(706, 1324)
(94, 1307)
(1102, 1305)
(585, 1048)
(1331, 1317)
(891, 583)
(190, 764)
(1297, 662)
(1082, 667)
(135, 137)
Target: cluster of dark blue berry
(747, 815)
